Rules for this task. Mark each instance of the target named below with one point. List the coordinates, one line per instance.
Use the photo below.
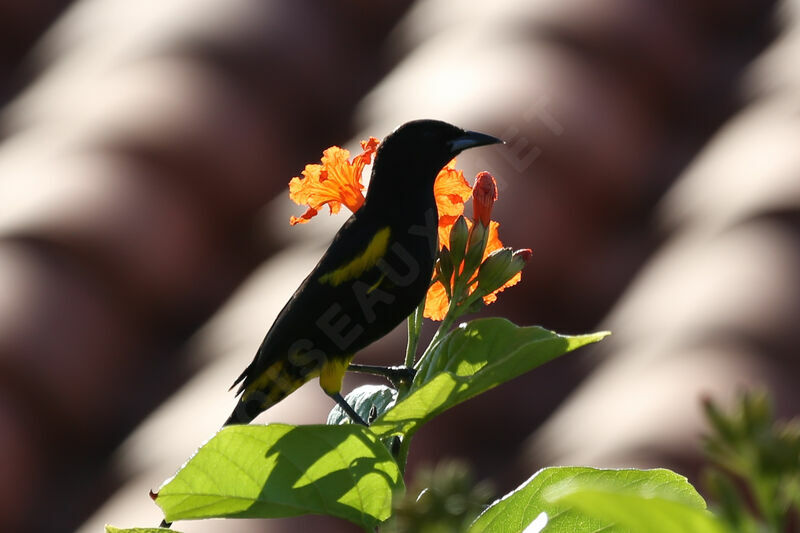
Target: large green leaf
(280, 470)
(640, 514)
(584, 500)
(472, 359)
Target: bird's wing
(352, 255)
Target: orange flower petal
(305, 217)
(369, 147)
(493, 242)
(436, 303)
(451, 190)
(334, 182)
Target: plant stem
(444, 327)
(414, 328)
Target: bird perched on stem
(374, 274)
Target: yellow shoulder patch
(362, 262)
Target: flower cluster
(473, 265)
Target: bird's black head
(414, 153)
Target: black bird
(373, 275)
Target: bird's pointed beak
(471, 139)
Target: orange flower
(335, 182)
(484, 195)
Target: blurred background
(652, 164)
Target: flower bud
(478, 237)
(484, 194)
(458, 240)
(500, 267)
(444, 270)
(493, 269)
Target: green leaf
(631, 512)
(499, 346)
(280, 470)
(363, 399)
(112, 529)
(582, 499)
(472, 359)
